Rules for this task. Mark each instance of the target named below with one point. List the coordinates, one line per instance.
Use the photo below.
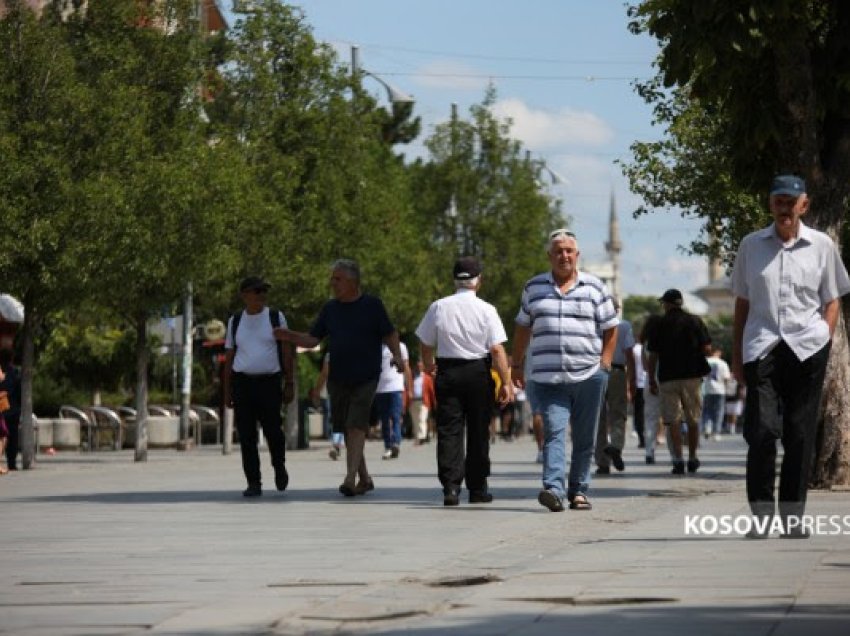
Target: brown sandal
(580, 502)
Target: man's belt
(447, 363)
(621, 367)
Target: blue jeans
(389, 410)
(713, 412)
(577, 404)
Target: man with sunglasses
(569, 319)
(254, 366)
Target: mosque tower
(614, 246)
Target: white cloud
(541, 129)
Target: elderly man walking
(466, 334)
(788, 281)
(357, 324)
(569, 319)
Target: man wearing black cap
(788, 281)
(677, 347)
(466, 335)
(254, 368)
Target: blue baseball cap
(788, 184)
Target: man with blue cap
(788, 281)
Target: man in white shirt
(254, 366)
(714, 394)
(393, 383)
(788, 281)
(466, 334)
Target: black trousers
(13, 423)
(465, 400)
(258, 399)
(638, 404)
(783, 398)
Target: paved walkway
(96, 544)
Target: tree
(43, 126)
(767, 84)
(480, 195)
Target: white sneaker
(388, 454)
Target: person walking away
(788, 280)
(714, 395)
(677, 346)
(460, 338)
(356, 325)
(258, 380)
(568, 318)
(393, 384)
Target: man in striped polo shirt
(570, 321)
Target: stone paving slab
(97, 544)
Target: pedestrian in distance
(611, 433)
(356, 325)
(677, 347)
(568, 318)
(10, 383)
(258, 380)
(788, 280)
(461, 337)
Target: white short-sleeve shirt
(391, 379)
(461, 326)
(786, 286)
(256, 347)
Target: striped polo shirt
(566, 328)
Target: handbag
(4, 402)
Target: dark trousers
(13, 423)
(258, 399)
(783, 398)
(637, 420)
(465, 398)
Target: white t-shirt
(256, 347)
(640, 372)
(715, 381)
(391, 379)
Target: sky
(563, 72)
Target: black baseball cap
(672, 296)
(253, 282)
(466, 268)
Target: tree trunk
(27, 431)
(141, 388)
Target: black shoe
(796, 533)
(394, 451)
(451, 497)
(551, 501)
(755, 534)
(616, 457)
(253, 490)
(281, 478)
(346, 490)
(693, 465)
(362, 488)
(678, 468)
(650, 459)
(480, 496)
(603, 470)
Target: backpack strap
(234, 325)
(274, 318)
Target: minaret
(613, 246)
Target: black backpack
(274, 318)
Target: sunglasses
(260, 290)
(559, 233)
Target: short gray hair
(558, 235)
(349, 266)
(466, 283)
